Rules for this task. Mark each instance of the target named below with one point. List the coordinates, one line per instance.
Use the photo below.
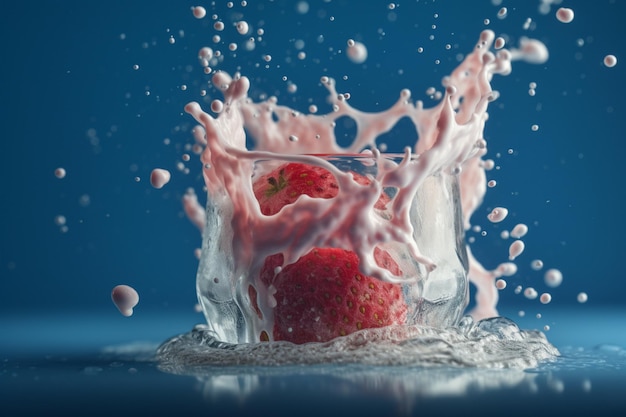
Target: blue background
(71, 98)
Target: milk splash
(450, 141)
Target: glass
(437, 298)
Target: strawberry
(323, 294)
(285, 184)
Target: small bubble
(357, 52)
(582, 297)
(546, 328)
(219, 26)
(242, 27)
(217, 106)
(500, 284)
(488, 164)
(491, 183)
(84, 200)
(60, 173)
(199, 12)
(553, 278)
(536, 264)
(302, 7)
(527, 23)
(205, 54)
(610, 61)
(534, 128)
(545, 298)
(565, 15)
(530, 293)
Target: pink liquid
(451, 140)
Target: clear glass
(437, 298)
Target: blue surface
(71, 98)
(103, 366)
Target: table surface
(103, 365)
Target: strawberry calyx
(276, 185)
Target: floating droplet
(217, 106)
(553, 278)
(545, 298)
(519, 230)
(516, 249)
(565, 15)
(536, 264)
(125, 299)
(507, 269)
(357, 52)
(498, 214)
(159, 177)
(199, 12)
(610, 61)
(530, 293)
(242, 27)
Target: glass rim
(339, 155)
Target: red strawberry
(286, 183)
(289, 181)
(324, 295)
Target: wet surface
(39, 375)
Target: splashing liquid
(450, 141)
